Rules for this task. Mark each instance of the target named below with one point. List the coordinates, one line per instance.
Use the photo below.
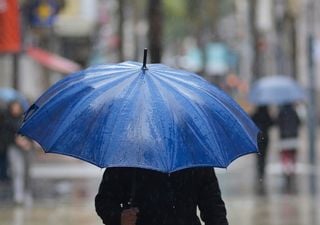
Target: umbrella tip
(145, 53)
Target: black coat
(9, 126)
(288, 122)
(3, 133)
(264, 122)
(12, 125)
(162, 199)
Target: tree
(155, 18)
(255, 40)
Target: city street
(64, 190)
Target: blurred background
(232, 43)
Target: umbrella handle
(144, 65)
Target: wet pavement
(64, 190)
(276, 206)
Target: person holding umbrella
(283, 91)
(158, 131)
(129, 196)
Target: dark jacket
(262, 119)
(162, 199)
(288, 122)
(264, 122)
(12, 125)
(3, 133)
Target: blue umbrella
(278, 89)
(9, 94)
(146, 116)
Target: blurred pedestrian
(288, 122)
(19, 154)
(264, 122)
(132, 196)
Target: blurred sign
(217, 59)
(192, 61)
(77, 19)
(10, 40)
(53, 61)
(43, 13)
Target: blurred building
(75, 27)
(63, 28)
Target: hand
(129, 216)
(23, 143)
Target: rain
(225, 84)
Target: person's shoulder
(111, 171)
(199, 171)
(113, 174)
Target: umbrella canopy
(9, 94)
(277, 89)
(129, 115)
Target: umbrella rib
(164, 103)
(75, 108)
(73, 80)
(200, 115)
(130, 90)
(218, 100)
